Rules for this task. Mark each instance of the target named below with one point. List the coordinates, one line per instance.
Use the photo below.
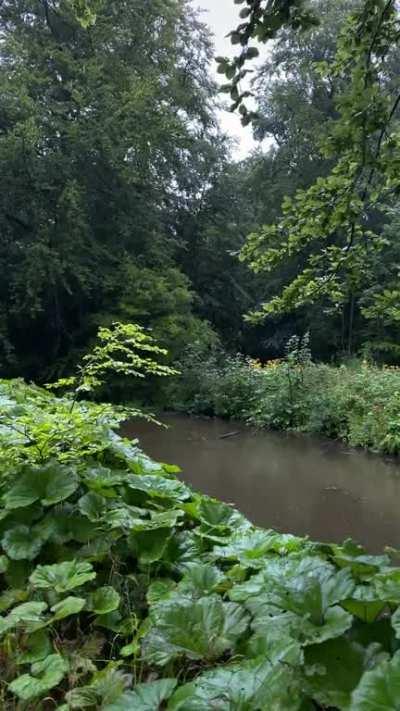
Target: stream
(293, 483)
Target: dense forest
(121, 199)
(145, 267)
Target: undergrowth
(121, 588)
(357, 403)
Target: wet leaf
(28, 615)
(103, 600)
(202, 629)
(379, 688)
(68, 606)
(22, 543)
(48, 484)
(248, 686)
(145, 697)
(62, 576)
(45, 675)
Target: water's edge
(291, 482)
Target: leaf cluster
(123, 588)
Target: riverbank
(308, 485)
(122, 587)
(358, 404)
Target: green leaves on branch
(262, 20)
(123, 350)
(327, 227)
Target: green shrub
(358, 404)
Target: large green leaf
(22, 542)
(94, 506)
(45, 675)
(254, 686)
(364, 603)
(201, 629)
(150, 546)
(379, 689)
(334, 669)
(305, 586)
(144, 697)
(103, 600)
(251, 547)
(283, 624)
(107, 687)
(159, 486)
(101, 479)
(387, 585)
(35, 646)
(10, 596)
(28, 615)
(68, 606)
(396, 622)
(201, 579)
(62, 577)
(48, 484)
(351, 555)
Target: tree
(100, 120)
(330, 227)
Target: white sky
(223, 16)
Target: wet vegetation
(124, 213)
(122, 588)
(358, 403)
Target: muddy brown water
(292, 483)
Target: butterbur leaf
(250, 548)
(158, 486)
(103, 600)
(335, 669)
(166, 519)
(35, 647)
(252, 685)
(48, 484)
(106, 688)
(150, 546)
(145, 697)
(45, 675)
(306, 586)
(159, 589)
(3, 564)
(93, 506)
(202, 629)
(387, 586)
(28, 615)
(282, 650)
(62, 576)
(68, 606)
(9, 597)
(99, 478)
(364, 603)
(22, 543)
(282, 624)
(379, 688)
(201, 579)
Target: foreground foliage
(121, 588)
(358, 403)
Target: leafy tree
(329, 230)
(99, 123)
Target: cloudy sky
(222, 17)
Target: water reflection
(288, 482)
